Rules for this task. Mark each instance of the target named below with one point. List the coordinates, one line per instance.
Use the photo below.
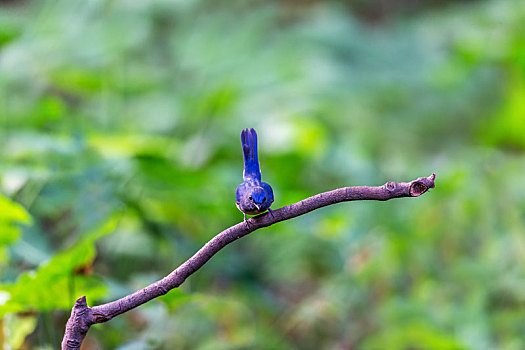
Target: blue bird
(252, 196)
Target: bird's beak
(258, 207)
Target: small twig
(82, 316)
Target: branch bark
(82, 316)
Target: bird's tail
(251, 160)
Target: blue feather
(252, 170)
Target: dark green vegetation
(120, 136)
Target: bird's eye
(251, 198)
(264, 199)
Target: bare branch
(82, 316)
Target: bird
(252, 196)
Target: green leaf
(11, 211)
(56, 284)
(11, 214)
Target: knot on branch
(99, 317)
(421, 185)
(74, 344)
(390, 186)
(161, 289)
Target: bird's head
(258, 197)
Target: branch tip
(432, 178)
(81, 302)
(421, 185)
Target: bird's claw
(271, 212)
(246, 222)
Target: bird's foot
(246, 223)
(271, 212)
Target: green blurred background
(120, 153)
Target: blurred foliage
(120, 138)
